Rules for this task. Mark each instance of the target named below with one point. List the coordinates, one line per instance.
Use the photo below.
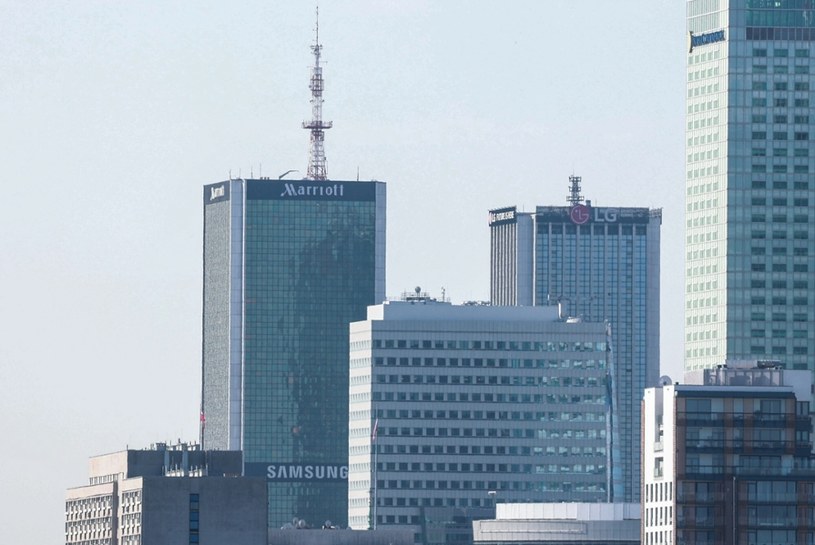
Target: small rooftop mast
(574, 196)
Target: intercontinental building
(287, 266)
(600, 264)
(456, 408)
(750, 190)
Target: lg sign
(581, 214)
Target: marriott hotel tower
(287, 267)
(750, 182)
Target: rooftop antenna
(574, 196)
(316, 160)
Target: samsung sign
(289, 473)
(704, 39)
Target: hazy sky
(113, 114)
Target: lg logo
(581, 214)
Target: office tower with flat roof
(287, 266)
(727, 457)
(599, 264)
(750, 191)
(455, 408)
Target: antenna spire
(316, 160)
(574, 196)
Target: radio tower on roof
(316, 160)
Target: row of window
(526, 346)
(781, 52)
(539, 486)
(456, 397)
(515, 416)
(515, 433)
(501, 363)
(572, 382)
(784, 152)
(474, 450)
(780, 135)
(779, 218)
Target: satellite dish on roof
(665, 380)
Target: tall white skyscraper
(749, 182)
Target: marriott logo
(320, 190)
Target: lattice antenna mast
(574, 196)
(316, 159)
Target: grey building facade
(287, 266)
(168, 494)
(453, 407)
(750, 194)
(598, 263)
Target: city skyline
(116, 114)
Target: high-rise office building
(599, 264)
(287, 266)
(167, 494)
(473, 405)
(727, 458)
(750, 191)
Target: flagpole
(376, 453)
(374, 472)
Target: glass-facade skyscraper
(599, 264)
(288, 265)
(750, 190)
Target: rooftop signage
(581, 214)
(695, 40)
(291, 473)
(502, 216)
(216, 192)
(310, 190)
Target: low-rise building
(167, 494)
(727, 457)
(560, 524)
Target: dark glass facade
(303, 260)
